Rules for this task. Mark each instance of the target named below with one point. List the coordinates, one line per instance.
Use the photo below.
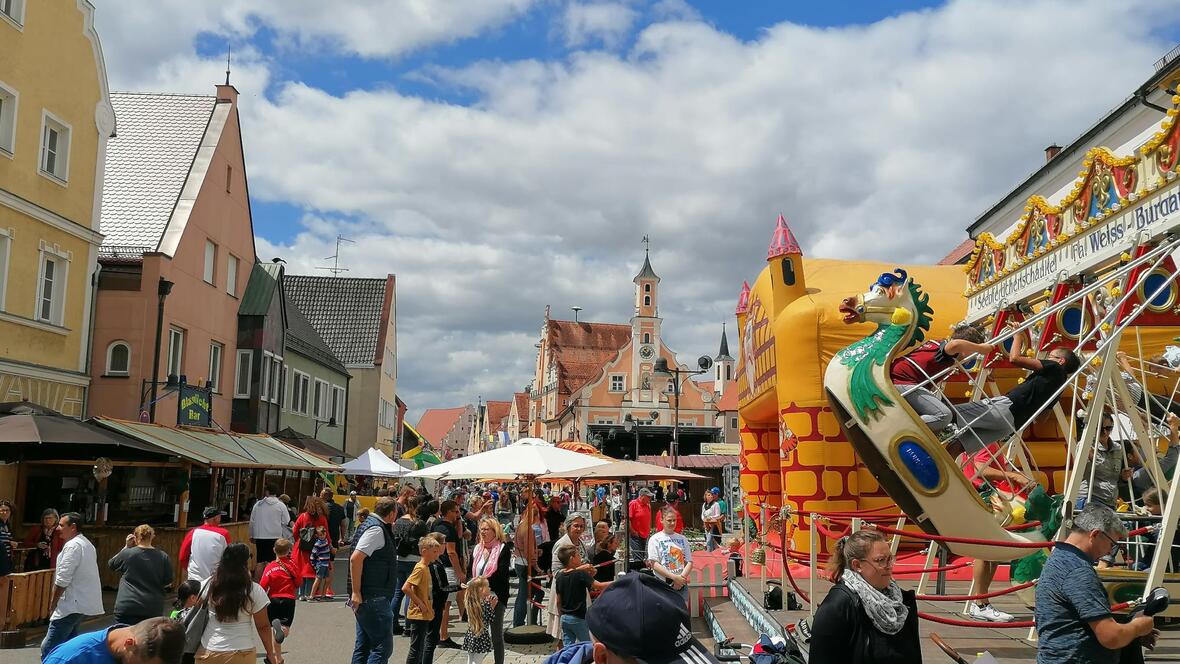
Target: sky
(501, 156)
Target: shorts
(452, 581)
(281, 609)
(323, 571)
(265, 550)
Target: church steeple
(723, 362)
(647, 286)
(786, 266)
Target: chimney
(227, 92)
(1052, 151)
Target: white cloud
(584, 23)
(881, 141)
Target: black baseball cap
(211, 512)
(640, 616)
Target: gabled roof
(303, 338)
(147, 165)
(580, 349)
(345, 311)
(729, 401)
(959, 253)
(436, 423)
(522, 405)
(497, 411)
(260, 289)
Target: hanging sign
(194, 406)
(1090, 249)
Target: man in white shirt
(669, 555)
(269, 520)
(77, 591)
(201, 550)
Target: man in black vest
(373, 565)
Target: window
(647, 300)
(264, 376)
(276, 366)
(13, 10)
(175, 351)
(231, 275)
(55, 147)
(670, 387)
(728, 372)
(216, 350)
(118, 359)
(647, 337)
(733, 422)
(210, 261)
(390, 363)
(8, 105)
(229, 176)
(646, 288)
(618, 382)
(338, 395)
(242, 375)
(320, 399)
(788, 272)
(388, 415)
(51, 284)
(5, 248)
(285, 387)
(299, 392)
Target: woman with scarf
(865, 617)
(492, 559)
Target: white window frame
(618, 383)
(110, 371)
(173, 334)
(61, 275)
(264, 375)
(320, 392)
(210, 273)
(276, 388)
(15, 14)
(5, 256)
(242, 387)
(285, 386)
(9, 112)
(300, 392)
(214, 378)
(338, 396)
(231, 275)
(61, 160)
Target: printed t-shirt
(671, 551)
(278, 579)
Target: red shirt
(929, 356)
(640, 517)
(278, 579)
(983, 458)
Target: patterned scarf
(885, 609)
(486, 560)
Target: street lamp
(331, 422)
(631, 425)
(661, 368)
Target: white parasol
(374, 463)
(527, 457)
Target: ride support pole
(814, 544)
(931, 554)
(855, 525)
(896, 538)
(943, 561)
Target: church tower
(645, 325)
(786, 266)
(723, 363)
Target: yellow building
(55, 119)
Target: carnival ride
(1096, 273)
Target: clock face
(646, 352)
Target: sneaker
(448, 643)
(988, 613)
(276, 627)
(303, 598)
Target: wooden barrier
(109, 540)
(25, 598)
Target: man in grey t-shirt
(1107, 467)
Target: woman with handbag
(315, 513)
(233, 611)
(865, 616)
(46, 540)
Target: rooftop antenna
(576, 310)
(228, 50)
(335, 258)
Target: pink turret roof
(783, 241)
(743, 298)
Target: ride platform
(1007, 644)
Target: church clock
(646, 352)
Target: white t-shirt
(237, 634)
(77, 572)
(671, 551)
(372, 539)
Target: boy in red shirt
(279, 582)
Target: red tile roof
(436, 423)
(690, 461)
(497, 411)
(581, 349)
(729, 400)
(959, 253)
(522, 406)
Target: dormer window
(789, 272)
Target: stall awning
(695, 461)
(217, 449)
(313, 445)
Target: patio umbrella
(528, 457)
(374, 463)
(22, 434)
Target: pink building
(175, 208)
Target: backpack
(307, 538)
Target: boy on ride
(912, 372)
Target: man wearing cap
(200, 552)
(655, 630)
(639, 518)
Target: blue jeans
(712, 539)
(61, 630)
(404, 569)
(374, 632)
(573, 630)
(522, 610)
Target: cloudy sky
(499, 156)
